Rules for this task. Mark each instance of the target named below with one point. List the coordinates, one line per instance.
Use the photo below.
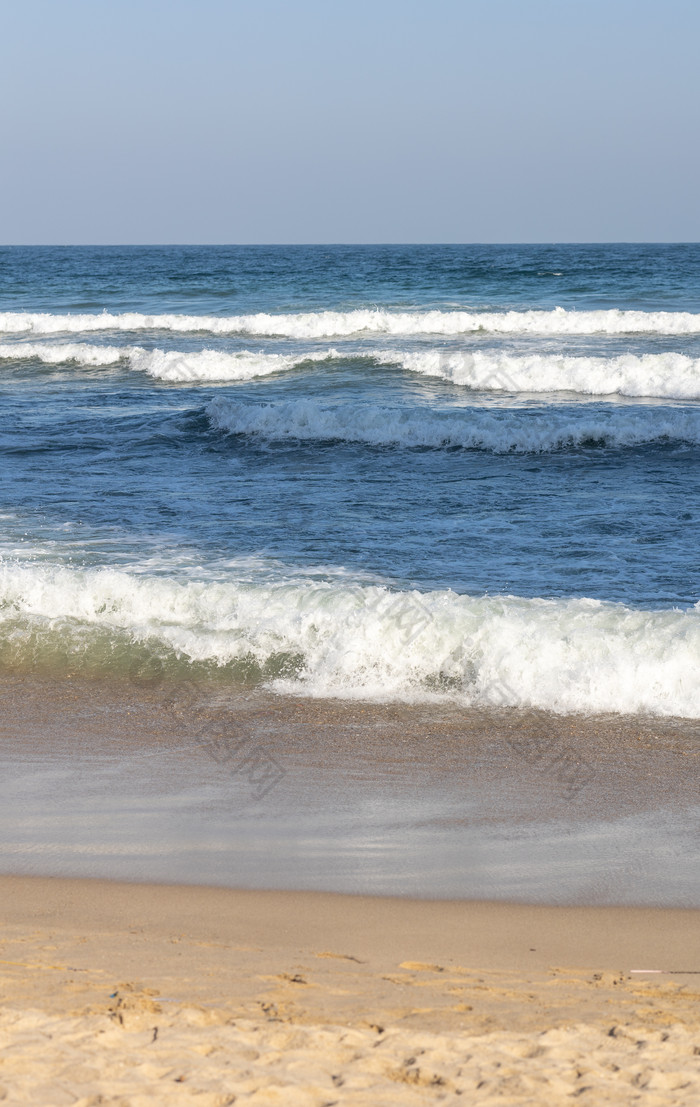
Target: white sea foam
(167, 365)
(215, 365)
(667, 375)
(62, 353)
(534, 430)
(328, 324)
(367, 641)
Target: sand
(152, 994)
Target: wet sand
(141, 780)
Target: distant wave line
(328, 324)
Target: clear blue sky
(357, 121)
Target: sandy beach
(134, 994)
(167, 983)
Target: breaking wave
(667, 376)
(214, 365)
(539, 430)
(664, 376)
(62, 353)
(339, 639)
(328, 324)
(166, 365)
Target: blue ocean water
(451, 472)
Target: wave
(214, 365)
(328, 324)
(62, 353)
(518, 431)
(667, 376)
(339, 639)
(664, 376)
(167, 365)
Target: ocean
(453, 472)
(439, 479)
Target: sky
(233, 121)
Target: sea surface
(465, 474)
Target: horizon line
(346, 245)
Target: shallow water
(257, 790)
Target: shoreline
(186, 994)
(143, 783)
